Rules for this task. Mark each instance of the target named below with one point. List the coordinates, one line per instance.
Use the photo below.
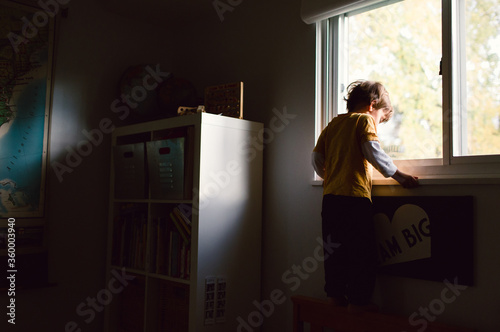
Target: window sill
(444, 180)
(317, 183)
(437, 180)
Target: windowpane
(400, 46)
(480, 99)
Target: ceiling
(171, 13)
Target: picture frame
(448, 222)
(26, 68)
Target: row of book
(130, 237)
(171, 248)
(169, 241)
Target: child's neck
(376, 114)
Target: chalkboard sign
(428, 237)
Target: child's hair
(363, 93)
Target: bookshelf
(185, 224)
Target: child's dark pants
(350, 269)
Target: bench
(321, 314)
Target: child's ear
(372, 106)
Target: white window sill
(436, 180)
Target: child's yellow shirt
(347, 172)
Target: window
(477, 129)
(439, 60)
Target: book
(153, 247)
(175, 253)
(163, 248)
(130, 236)
(185, 227)
(182, 216)
(180, 229)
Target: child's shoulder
(355, 117)
(362, 115)
(350, 119)
(364, 118)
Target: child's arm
(406, 180)
(384, 164)
(378, 158)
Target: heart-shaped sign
(406, 238)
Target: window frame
(331, 81)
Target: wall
(476, 306)
(272, 51)
(266, 45)
(95, 46)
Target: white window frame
(331, 82)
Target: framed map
(26, 46)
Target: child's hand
(406, 180)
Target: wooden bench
(321, 314)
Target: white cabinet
(185, 223)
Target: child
(344, 154)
